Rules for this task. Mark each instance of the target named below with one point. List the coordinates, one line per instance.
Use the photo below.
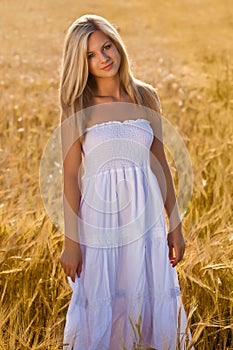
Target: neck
(108, 87)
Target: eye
(90, 55)
(107, 47)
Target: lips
(109, 66)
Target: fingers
(171, 254)
(71, 261)
(178, 253)
(69, 270)
(178, 258)
(79, 270)
(72, 275)
(176, 245)
(72, 270)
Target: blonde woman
(118, 254)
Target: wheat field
(184, 49)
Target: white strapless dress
(128, 293)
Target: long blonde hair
(75, 82)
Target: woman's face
(102, 55)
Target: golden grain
(184, 49)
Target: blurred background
(184, 49)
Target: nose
(104, 57)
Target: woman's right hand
(71, 259)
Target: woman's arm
(71, 257)
(160, 167)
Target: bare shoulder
(70, 136)
(150, 95)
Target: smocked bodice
(115, 144)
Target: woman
(120, 267)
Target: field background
(182, 47)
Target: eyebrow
(108, 41)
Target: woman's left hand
(176, 245)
